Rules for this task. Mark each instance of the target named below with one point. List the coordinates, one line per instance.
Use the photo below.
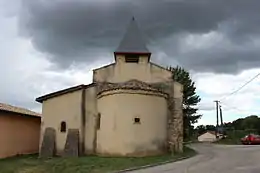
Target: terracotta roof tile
(10, 108)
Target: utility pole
(221, 119)
(217, 107)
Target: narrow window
(137, 121)
(63, 127)
(131, 58)
(98, 120)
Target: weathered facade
(132, 108)
(19, 131)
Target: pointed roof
(132, 41)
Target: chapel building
(132, 108)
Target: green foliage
(190, 98)
(233, 137)
(250, 124)
(204, 128)
(240, 128)
(201, 129)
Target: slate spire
(132, 42)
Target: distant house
(19, 131)
(209, 136)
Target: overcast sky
(47, 45)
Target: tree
(190, 98)
(250, 122)
(237, 124)
(201, 129)
(210, 127)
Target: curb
(188, 142)
(152, 165)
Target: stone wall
(72, 145)
(47, 149)
(175, 117)
(129, 85)
(176, 125)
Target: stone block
(48, 146)
(71, 148)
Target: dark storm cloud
(84, 31)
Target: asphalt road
(215, 159)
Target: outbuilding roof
(10, 108)
(211, 132)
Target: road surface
(215, 159)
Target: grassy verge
(233, 137)
(90, 164)
(228, 141)
(192, 142)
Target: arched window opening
(63, 126)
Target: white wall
(207, 137)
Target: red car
(250, 139)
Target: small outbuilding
(19, 131)
(209, 136)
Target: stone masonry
(71, 148)
(175, 118)
(47, 149)
(177, 123)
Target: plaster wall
(122, 72)
(90, 120)
(19, 134)
(65, 108)
(120, 135)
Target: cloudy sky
(47, 45)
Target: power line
(237, 109)
(232, 107)
(241, 86)
(218, 103)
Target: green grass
(88, 164)
(229, 141)
(233, 137)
